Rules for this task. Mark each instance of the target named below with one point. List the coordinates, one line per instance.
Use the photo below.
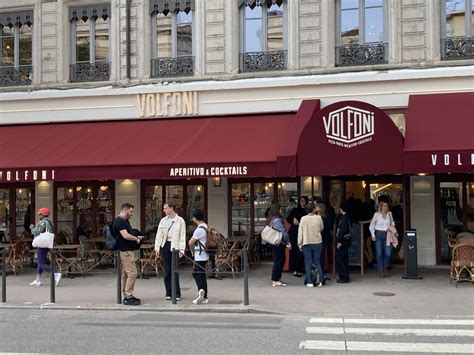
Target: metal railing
(10, 76)
(362, 54)
(168, 67)
(84, 72)
(263, 61)
(457, 48)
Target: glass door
(24, 213)
(17, 211)
(451, 214)
(194, 201)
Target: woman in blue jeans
(310, 242)
(275, 221)
(379, 225)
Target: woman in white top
(379, 225)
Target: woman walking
(294, 218)
(44, 225)
(381, 222)
(310, 242)
(275, 221)
(343, 242)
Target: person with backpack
(198, 242)
(343, 242)
(214, 242)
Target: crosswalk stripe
(392, 347)
(393, 321)
(392, 331)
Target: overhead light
(20, 191)
(422, 174)
(199, 188)
(103, 188)
(364, 184)
(383, 187)
(217, 181)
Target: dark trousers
(342, 262)
(212, 261)
(199, 275)
(42, 253)
(166, 255)
(296, 256)
(278, 254)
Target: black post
(246, 277)
(52, 296)
(173, 275)
(119, 277)
(4, 277)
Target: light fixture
(103, 188)
(383, 187)
(70, 191)
(79, 188)
(89, 190)
(20, 191)
(363, 184)
(217, 181)
(422, 174)
(199, 188)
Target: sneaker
(320, 284)
(168, 298)
(131, 302)
(136, 299)
(205, 301)
(35, 283)
(57, 278)
(310, 285)
(178, 298)
(200, 297)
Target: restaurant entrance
(16, 210)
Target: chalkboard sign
(354, 249)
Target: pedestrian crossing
(448, 336)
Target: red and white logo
(349, 127)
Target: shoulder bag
(271, 235)
(44, 240)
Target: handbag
(392, 234)
(44, 240)
(271, 235)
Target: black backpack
(110, 238)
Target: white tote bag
(271, 236)
(44, 240)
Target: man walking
(171, 234)
(198, 243)
(127, 243)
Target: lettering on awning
(452, 159)
(23, 175)
(168, 104)
(217, 171)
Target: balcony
(84, 72)
(10, 76)
(457, 48)
(169, 67)
(361, 54)
(263, 61)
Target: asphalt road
(138, 332)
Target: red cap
(44, 211)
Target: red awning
(146, 149)
(440, 134)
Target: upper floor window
(362, 35)
(458, 29)
(172, 38)
(90, 43)
(16, 43)
(263, 35)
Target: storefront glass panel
(262, 201)
(153, 208)
(470, 206)
(85, 218)
(4, 215)
(175, 194)
(287, 197)
(240, 224)
(23, 210)
(194, 201)
(65, 212)
(104, 208)
(451, 214)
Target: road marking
(392, 331)
(379, 346)
(393, 321)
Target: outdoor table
(71, 262)
(100, 255)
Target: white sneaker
(320, 284)
(310, 285)
(57, 278)
(200, 297)
(35, 283)
(205, 301)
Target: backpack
(110, 238)
(214, 242)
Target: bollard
(119, 277)
(4, 277)
(52, 296)
(173, 275)
(246, 277)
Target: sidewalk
(432, 296)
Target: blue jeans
(42, 253)
(382, 251)
(312, 255)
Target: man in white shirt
(171, 234)
(198, 243)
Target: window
(362, 38)
(172, 38)
(16, 42)
(458, 29)
(90, 39)
(263, 35)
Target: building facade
(158, 74)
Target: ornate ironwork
(165, 67)
(89, 11)
(458, 48)
(10, 76)
(262, 61)
(83, 72)
(362, 54)
(165, 6)
(13, 18)
(253, 3)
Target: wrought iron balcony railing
(166, 67)
(457, 48)
(83, 72)
(362, 54)
(10, 76)
(263, 61)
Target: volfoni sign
(168, 104)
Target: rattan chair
(462, 263)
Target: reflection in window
(23, 208)
(458, 29)
(262, 201)
(65, 213)
(263, 28)
(370, 14)
(287, 197)
(153, 208)
(195, 200)
(240, 224)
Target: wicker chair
(149, 259)
(462, 263)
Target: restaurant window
(90, 43)
(457, 29)
(362, 35)
(172, 38)
(16, 42)
(17, 211)
(83, 209)
(263, 35)
(187, 196)
(311, 187)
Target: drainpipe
(127, 44)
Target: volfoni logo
(349, 127)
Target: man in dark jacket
(343, 242)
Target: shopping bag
(271, 236)
(44, 240)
